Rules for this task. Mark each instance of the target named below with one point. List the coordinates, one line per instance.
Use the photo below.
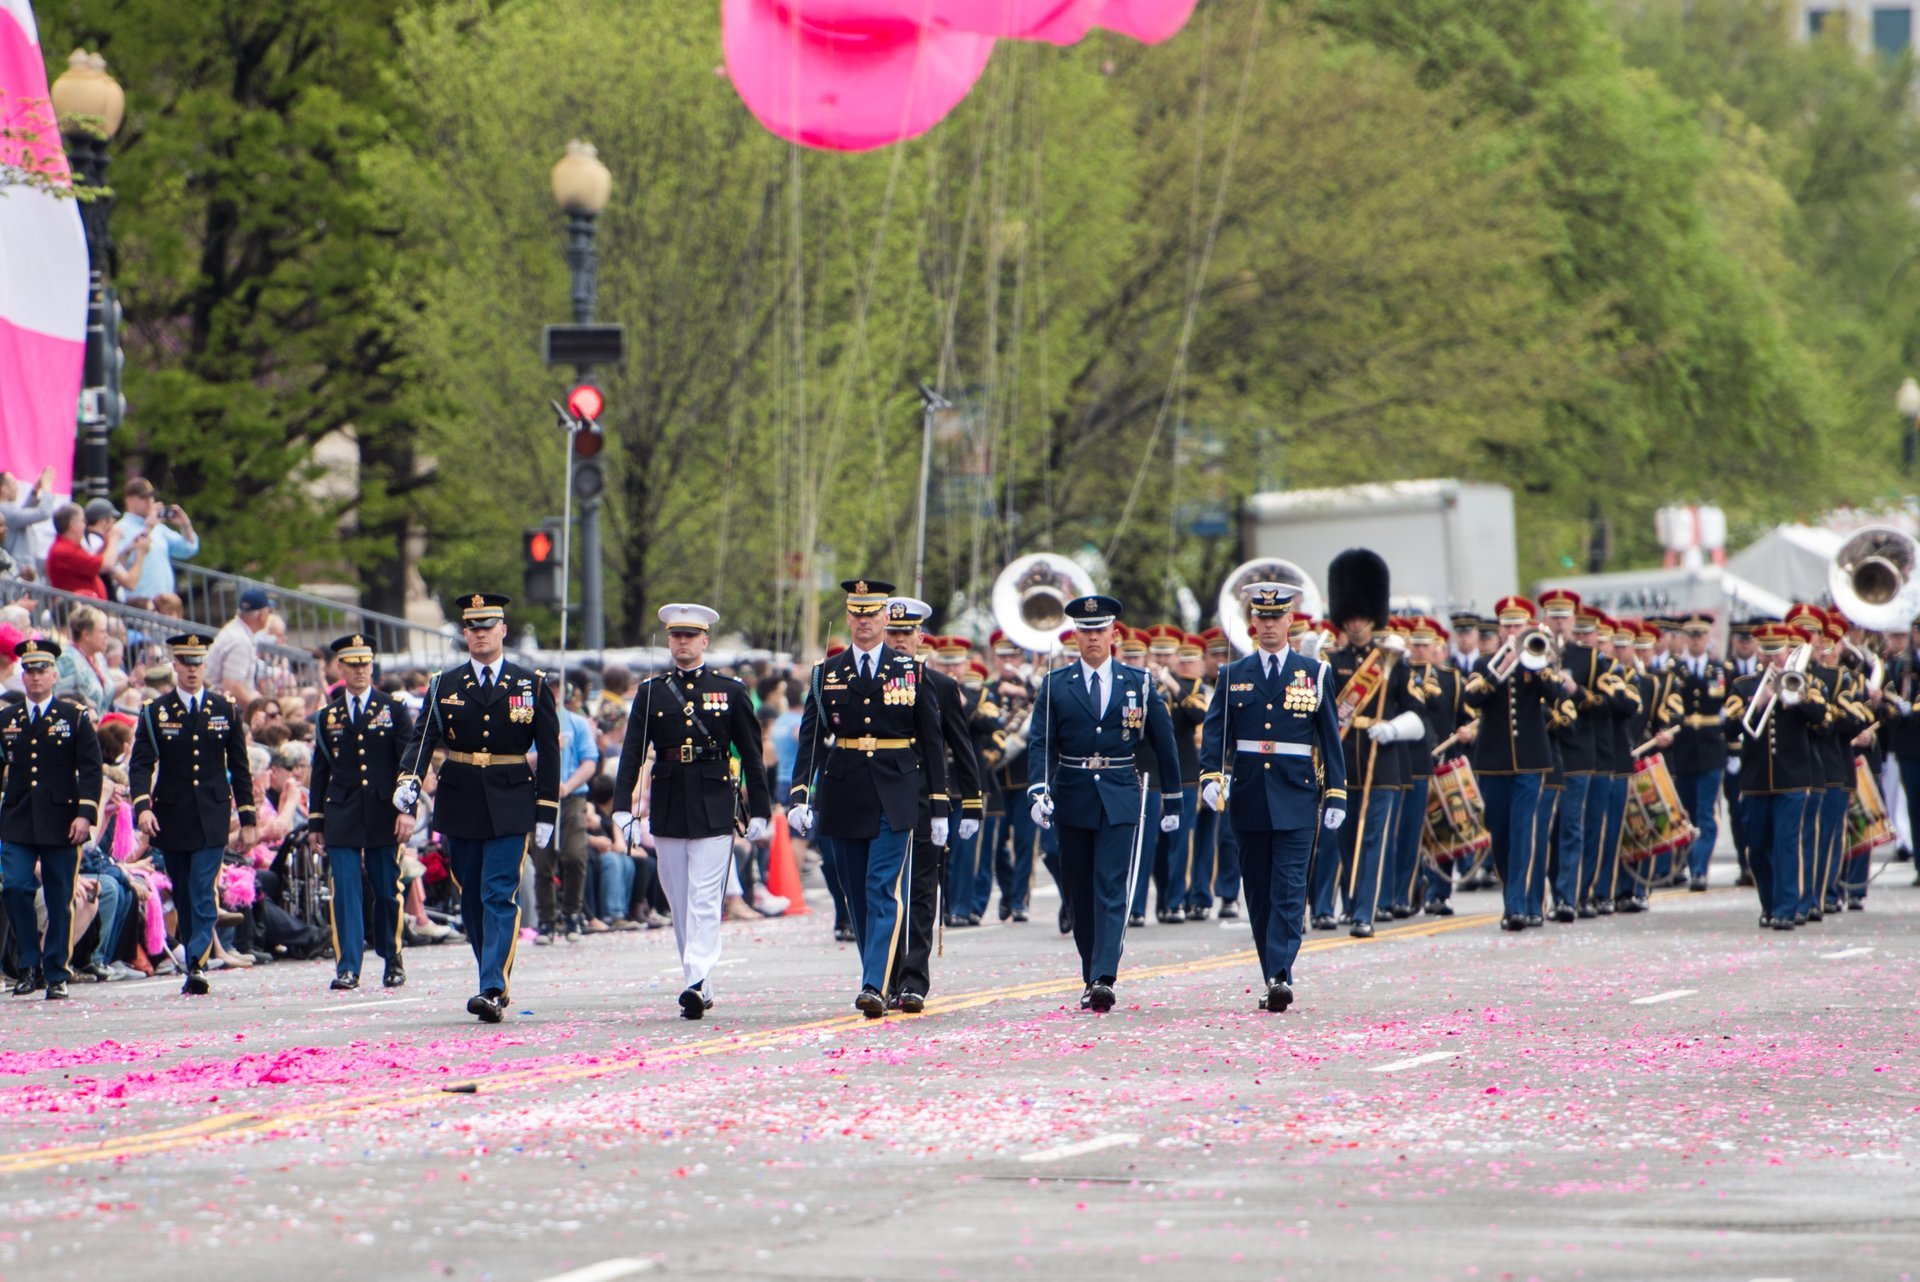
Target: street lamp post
(931, 403)
(90, 105)
(1907, 401)
(581, 187)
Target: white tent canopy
(1789, 561)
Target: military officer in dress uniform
(51, 799)
(1382, 701)
(1269, 756)
(1699, 752)
(1089, 720)
(1778, 771)
(361, 739)
(1512, 757)
(701, 729)
(490, 715)
(869, 747)
(912, 976)
(187, 776)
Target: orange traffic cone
(783, 872)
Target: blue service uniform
(1698, 755)
(190, 769)
(52, 766)
(356, 766)
(1779, 772)
(490, 796)
(1378, 771)
(1275, 738)
(1085, 758)
(1511, 758)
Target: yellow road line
(232, 1125)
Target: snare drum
(1656, 823)
(1868, 827)
(1456, 822)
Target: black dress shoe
(1438, 908)
(1782, 923)
(1629, 905)
(1585, 912)
(973, 919)
(694, 1002)
(1513, 921)
(1346, 919)
(1019, 915)
(1137, 919)
(870, 1003)
(1535, 920)
(1279, 997)
(1696, 884)
(1564, 913)
(1086, 998)
(345, 983)
(1766, 922)
(1323, 922)
(1744, 879)
(196, 985)
(1856, 903)
(57, 991)
(1162, 916)
(843, 934)
(1100, 998)
(1604, 908)
(1400, 912)
(395, 974)
(1229, 911)
(97, 973)
(489, 1005)
(1066, 920)
(1362, 930)
(1799, 919)
(30, 981)
(1005, 911)
(912, 1003)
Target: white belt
(1268, 748)
(1096, 763)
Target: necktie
(866, 667)
(1268, 661)
(359, 711)
(1093, 688)
(33, 717)
(486, 677)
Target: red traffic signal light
(585, 402)
(539, 547)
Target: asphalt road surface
(1670, 1095)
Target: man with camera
(171, 537)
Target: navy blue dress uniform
(1610, 706)
(51, 758)
(189, 771)
(1511, 758)
(1404, 889)
(1582, 799)
(1742, 661)
(1698, 754)
(700, 728)
(970, 870)
(869, 752)
(1778, 771)
(1088, 723)
(1187, 703)
(1271, 744)
(360, 743)
(499, 785)
(1847, 717)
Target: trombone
(1791, 680)
(1533, 649)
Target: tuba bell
(1263, 569)
(1030, 599)
(1872, 579)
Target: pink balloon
(1061, 22)
(1148, 21)
(846, 75)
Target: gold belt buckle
(865, 743)
(686, 754)
(482, 759)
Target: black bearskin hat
(1357, 587)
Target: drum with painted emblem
(1656, 823)
(1455, 828)
(1868, 826)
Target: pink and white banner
(43, 269)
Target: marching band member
(1512, 757)
(1698, 756)
(1778, 770)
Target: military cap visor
(352, 649)
(1091, 613)
(866, 596)
(904, 613)
(190, 650)
(686, 616)
(483, 609)
(36, 652)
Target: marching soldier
(51, 758)
(187, 776)
(864, 788)
(1423, 636)
(1375, 696)
(1743, 660)
(1848, 722)
(1090, 719)
(1447, 714)
(1582, 798)
(1132, 649)
(1216, 851)
(1006, 848)
(361, 741)
(1698, 756)
(971, 870)
(1188, 710)
(1270, 733)
(701, 729)
(1778, 770)
(911, 977)
(1512, 757)
(1611, 706)
(490, 715)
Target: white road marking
(1084, 1147)
(1431, 1057)
(1671, 994)
(605, 1271)
(351, 1007)
(1845, 953)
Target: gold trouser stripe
(1533, 849)
(73, 911)
(899, 915)
(513, 946)
(333, 926)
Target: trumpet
(1534, 650)
(1786, 684)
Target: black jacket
(1700, 739)
(191, 771)
(355, 769)
(515, 717)
(1512, 738)
(963, 766)
(850, 785)
(53, 773)
(1784, 758)
(691, 790)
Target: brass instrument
(1785, 684)
(1030, 599)
(1266, 569)
(1533, 649)
(1872, 579)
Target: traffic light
(540, 549)
(586, 403)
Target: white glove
(969, 829)
(1380, 732)
(758, 829)
(800, 819)
(1042, 812)
(624, 825)
(407, 796)
(1210, 794)
(1733, 765)
(1169, 823)
(937, 829)
(1335, 816)
(542, 836)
